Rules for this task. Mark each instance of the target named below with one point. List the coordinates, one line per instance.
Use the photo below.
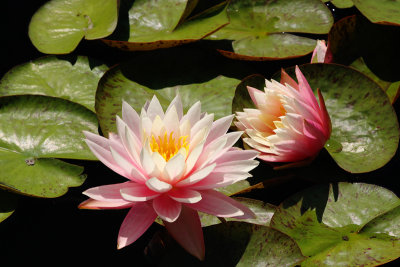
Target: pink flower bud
(288, 124)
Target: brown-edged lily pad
(150, 25)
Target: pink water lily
(173, 163)
(288, 124)
(321, 53)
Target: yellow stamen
(168, 147)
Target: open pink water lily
(288, 124)
(173, 163)
(321, 53)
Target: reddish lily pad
(261, 30)
(159, 24)
(342, 224)
(59, 25)
(355, 36)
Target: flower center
(168, 146)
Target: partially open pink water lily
(173, 163)
(288, 124)
(321, 53)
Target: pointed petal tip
(187, 231)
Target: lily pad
(242, 98)
(235, 188)
(196, 76)
(263, 211)
(339, 224)
(260, 30)
(59, 25)
(236, 244)
(341, 3)
(382, 12)
(364, 137)
(42, 128)
(159, 24)
(39, 177)
(53, 76)
(392, 89)
(8, 203)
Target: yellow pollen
(168, 147)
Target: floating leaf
(195, 76)
(236, 244)
(392, 89)
(360, 130)
(382, 12)
(263, 211)
(242, 98)
(154, 24)
(260, 29)
(40, 177)
(235, 188)
(341, 3)
(8, 202)
(59, 25)
(34, 130)
(340, 224)
(55, 77)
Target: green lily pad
(235, 244)
(159, 24)
(263, 211)
(36, 129)
(55, 77)
(39, 177)
(8, 203)
(392, 89)
(364, 137)
(195, 76)
(116, 87)
(235, 188)
(340, 224)
(260, 30)
(382, 12)
(59, 25)
(341, 3)
(242, 98)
